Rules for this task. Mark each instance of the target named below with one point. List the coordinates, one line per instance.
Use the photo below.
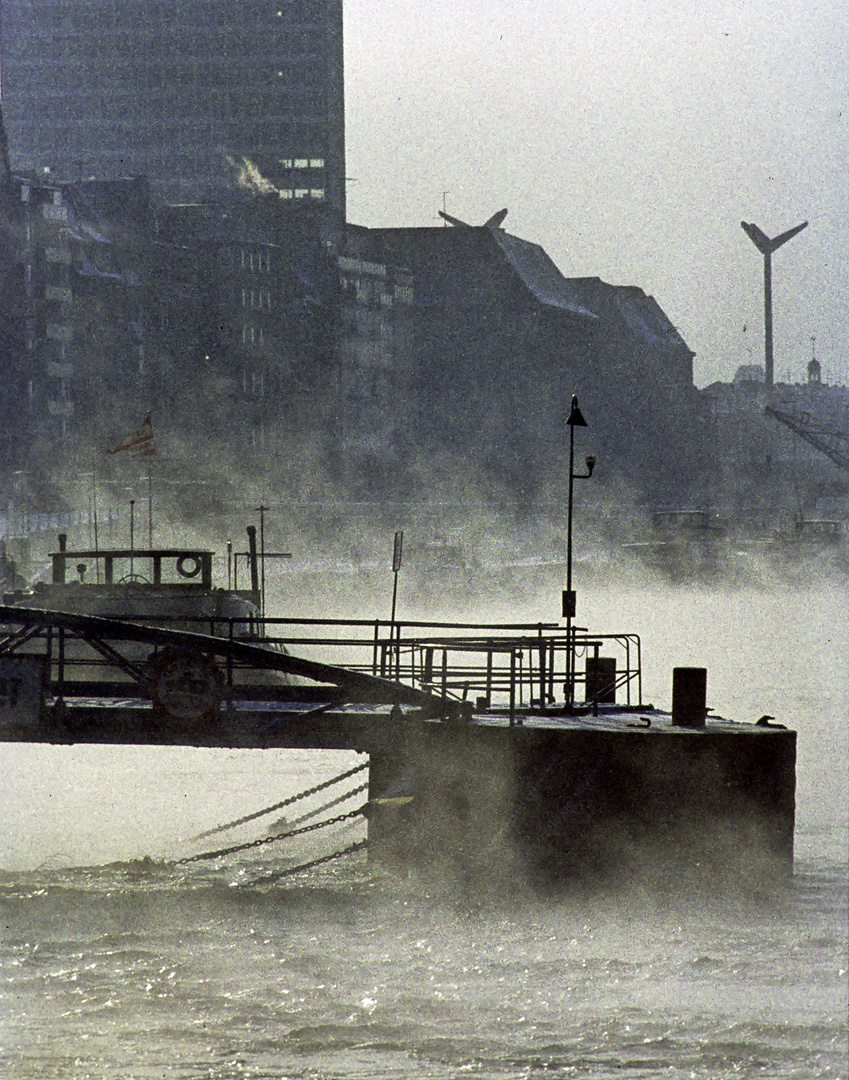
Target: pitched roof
(539, 274)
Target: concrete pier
(463, 791)
(586, 801)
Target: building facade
(502, 340)
(77, 349)
(769, 471)
(196, 95)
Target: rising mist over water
(781, 652)
(147, 969)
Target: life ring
(188, 566)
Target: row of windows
(257, 299)
(253, 335)
(302, 193)
(374, 293)
(302, 163)
(258, 260)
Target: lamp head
(590, 464)
(576, 418)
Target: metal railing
(507, 669)
(520, 667)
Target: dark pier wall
(485, 805)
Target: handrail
(517, 667)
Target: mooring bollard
(689, 697)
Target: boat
(683, 545)
(157, 586)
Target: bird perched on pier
(765, 722)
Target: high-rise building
(192, 94)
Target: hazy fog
(629, 139)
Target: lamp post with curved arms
(766, 246)
(576, 419)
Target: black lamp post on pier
(576, 419)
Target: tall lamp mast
(576, 419)
(766, 246)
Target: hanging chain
(280, 805)
(306, 866)
(286, 830)
(271, 839)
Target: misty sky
(629, 138)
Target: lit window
(317, 163)
(302, 163)
(317, 193)
(301, 193)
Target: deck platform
(471, 778)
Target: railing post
(427, 666)
(596, 647)
(60, 666)
(551, 669)
(639, 672)
(512, 686)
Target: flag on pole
(140, 443)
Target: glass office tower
(190, 93)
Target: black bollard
(689, 697)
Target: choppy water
(115, 968)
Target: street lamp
(766, 247)
(576, 419)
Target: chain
(320, 809)
(307, 866)
(280, 805)
(271, 839)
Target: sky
(629, 138)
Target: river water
(116, 966)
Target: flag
(140, 443)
